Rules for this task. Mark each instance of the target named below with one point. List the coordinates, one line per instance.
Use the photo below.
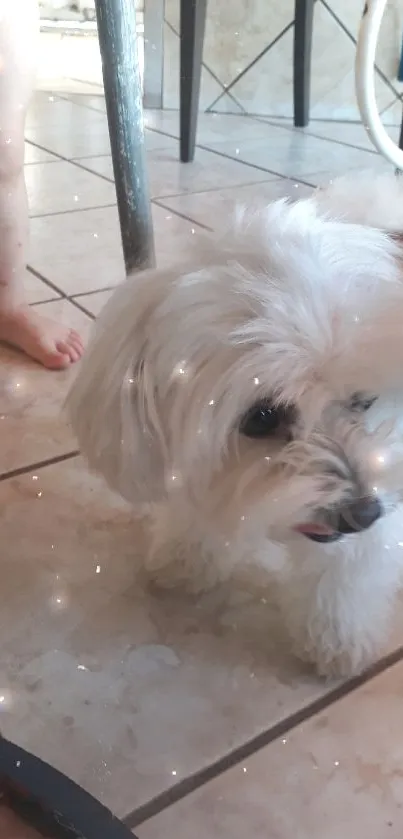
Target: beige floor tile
(210, 127)
(82, 252)
(299, 155)
(33, 154)
(94, 303)
(63, 187)
(77, 126)
(392, 115)
(50, 109)
(215, 208)
(97, 102)
(339, 774)
(155, 141)
(65, 86)
(164, 120)
(37, 291)
(79, 132)
(101, 165)
(352, 133)
(168, 176)
(65, 55)
(31, 398)
(125, 688)
(161, 143)
(349, 132)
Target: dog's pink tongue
(314, 529)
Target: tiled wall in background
(248, 57)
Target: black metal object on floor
(192, 29)
(123, 95)
(303, 28)
(52, 803)
(401, 133)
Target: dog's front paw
(338, 621)
(342, 663)
(334, 650)
(172, 567)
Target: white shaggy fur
(301, 304)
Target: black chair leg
(123, 96)
(399, 172)
(192, 28)
(401, 135)
(302, 60)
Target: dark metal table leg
(302, 60)
(123, 95)
(192, 28)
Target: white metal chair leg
(365, 82)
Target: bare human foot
(50, 343)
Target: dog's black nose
(359, 515)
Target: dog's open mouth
(318, 532)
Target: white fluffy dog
(252, 401)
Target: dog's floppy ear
(113, 404)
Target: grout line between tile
(193, 782)
(386, 108)
(41, 464)
(93, 291)
(271, 120)
(40, 162)
(308, 133)
(98, 88)
(79, 157)
(48, 300)
(66, 98)
(278, 175)
(159, 203)
(47, 282)
(157, 199)
(76, 161)
(43, 148)
(72, 211)
(212, 189)
(236, 159)
(82, 308)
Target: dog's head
(265, 385)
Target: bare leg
(51, 344)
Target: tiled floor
(187, 717)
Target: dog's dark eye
(361, 402)
(262, 420)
